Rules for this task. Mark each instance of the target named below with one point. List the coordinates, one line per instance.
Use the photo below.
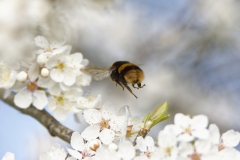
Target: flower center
(60, 100)
(61, 66)
(221, 147)
(188, 130)
(104, 124)
(63, 103)
(195, 156)
(32, 86)
(168, 151)
(4, 75)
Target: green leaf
(160, 120)
(160, 111)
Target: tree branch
(52, 125)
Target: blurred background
(189, 51)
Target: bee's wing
(98, 73)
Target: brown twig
(52, 125)
(141, 133)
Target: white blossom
(230, 138)
(8, 73)
(167, 145)
(103, 123)
(49, 49)
(89, 102)
(63, 102)
(187, 128)
(146, 145)
(201, 149)
(55, 153)
(30, 94)
(81, 149)
(8, 156)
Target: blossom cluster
(189, 138)
(50, 77)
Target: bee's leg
(139, 85)
(134, 86)
(129, 89)
(119, 85)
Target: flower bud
(42, 59)
(94, 144)
(22, 76)
(112, 147)
(45, 72)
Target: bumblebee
(121, 72)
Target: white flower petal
(77, 141)
(33, 72)
(74, 153)
(85, 62)
(117, 122)
(52, 104)
(69, 78)
(126, 150)
(90, 133)
(201, 133)
(55, 89)
(63, 50)
(150, 143)
(199, 121)
(229, 154)
(92, 116)
(8, 156)
(166, 139)
(141, 144)
(71, 158)
(107, 136)
(185, 149)
(73, 94)
(182, 120)
(60, 114)
(202, 146)
(41, 42)
(23, 99)
(52, 62)
(231, 138)
(108, 110)
(173, 128)
(40, 99)
(214, 134)
(185, 137)
(45, 82)
(83, 80)
(11, 80)
(142, 157)
(57, 75)
(76, 59)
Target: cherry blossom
(103, 123)
(187, 128)
(8, 156)
(8, 73)
(56, 152)
(31, 94)
(82, 149)
(146, 145)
